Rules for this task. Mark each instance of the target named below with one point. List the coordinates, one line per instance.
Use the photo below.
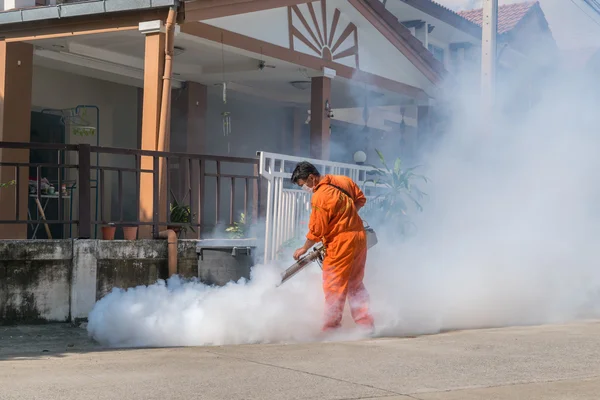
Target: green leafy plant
(239, 229)
(6, 184)
(397, 192)
(182, 214)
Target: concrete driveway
(549, 362)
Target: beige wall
(118, 122)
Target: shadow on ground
(57, 340)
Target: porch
(91, 84)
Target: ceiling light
(302, 85)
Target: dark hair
(303, 170)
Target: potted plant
(130, 232)
(108, 231)
(181, 214)
(396, 191)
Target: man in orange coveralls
(335, 222)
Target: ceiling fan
(262, 65)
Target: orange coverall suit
(334, 220)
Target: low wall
(35, 279)
(60, 280)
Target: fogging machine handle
(317, 254)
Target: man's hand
(299, 253)
(302, 250)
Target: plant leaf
(398, 166)
(382, 159)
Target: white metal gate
(288, 208)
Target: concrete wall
(35, 278)
(61, 280)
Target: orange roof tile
(509, 15)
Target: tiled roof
(509, 15)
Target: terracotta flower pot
(130, 232)
(108, 232)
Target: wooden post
(16, 72)
(153, 72)
(320, 97)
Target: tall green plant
(239, 229)
(397, 192)
(182, 214)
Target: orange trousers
(343, 273)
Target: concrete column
(188, 135)
(153, 72)
(320, 122)
(16, 72)
(83, 282)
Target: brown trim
(357, 52)
(334, 23)
(313, 15)
(26, 31)
(296, 33)
(321, 44)
(290, 28)
(324, 16)
(347, 32)
(346, 53)
(209, 32)
(305, 23)
(400, 37)
(200, 10)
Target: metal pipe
(163, 141)
(488, 56)
(171, 237)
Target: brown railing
(80, 173)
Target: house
(244, 76)
(526, 50)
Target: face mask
(307, 189)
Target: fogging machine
(318, 254)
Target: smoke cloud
(508, 236)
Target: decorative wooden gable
(317, 31)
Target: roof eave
(81, 9)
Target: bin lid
(225, 243)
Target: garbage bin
(223, 260)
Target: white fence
(288, 208)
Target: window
(437, 52)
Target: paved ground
(551, 362)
